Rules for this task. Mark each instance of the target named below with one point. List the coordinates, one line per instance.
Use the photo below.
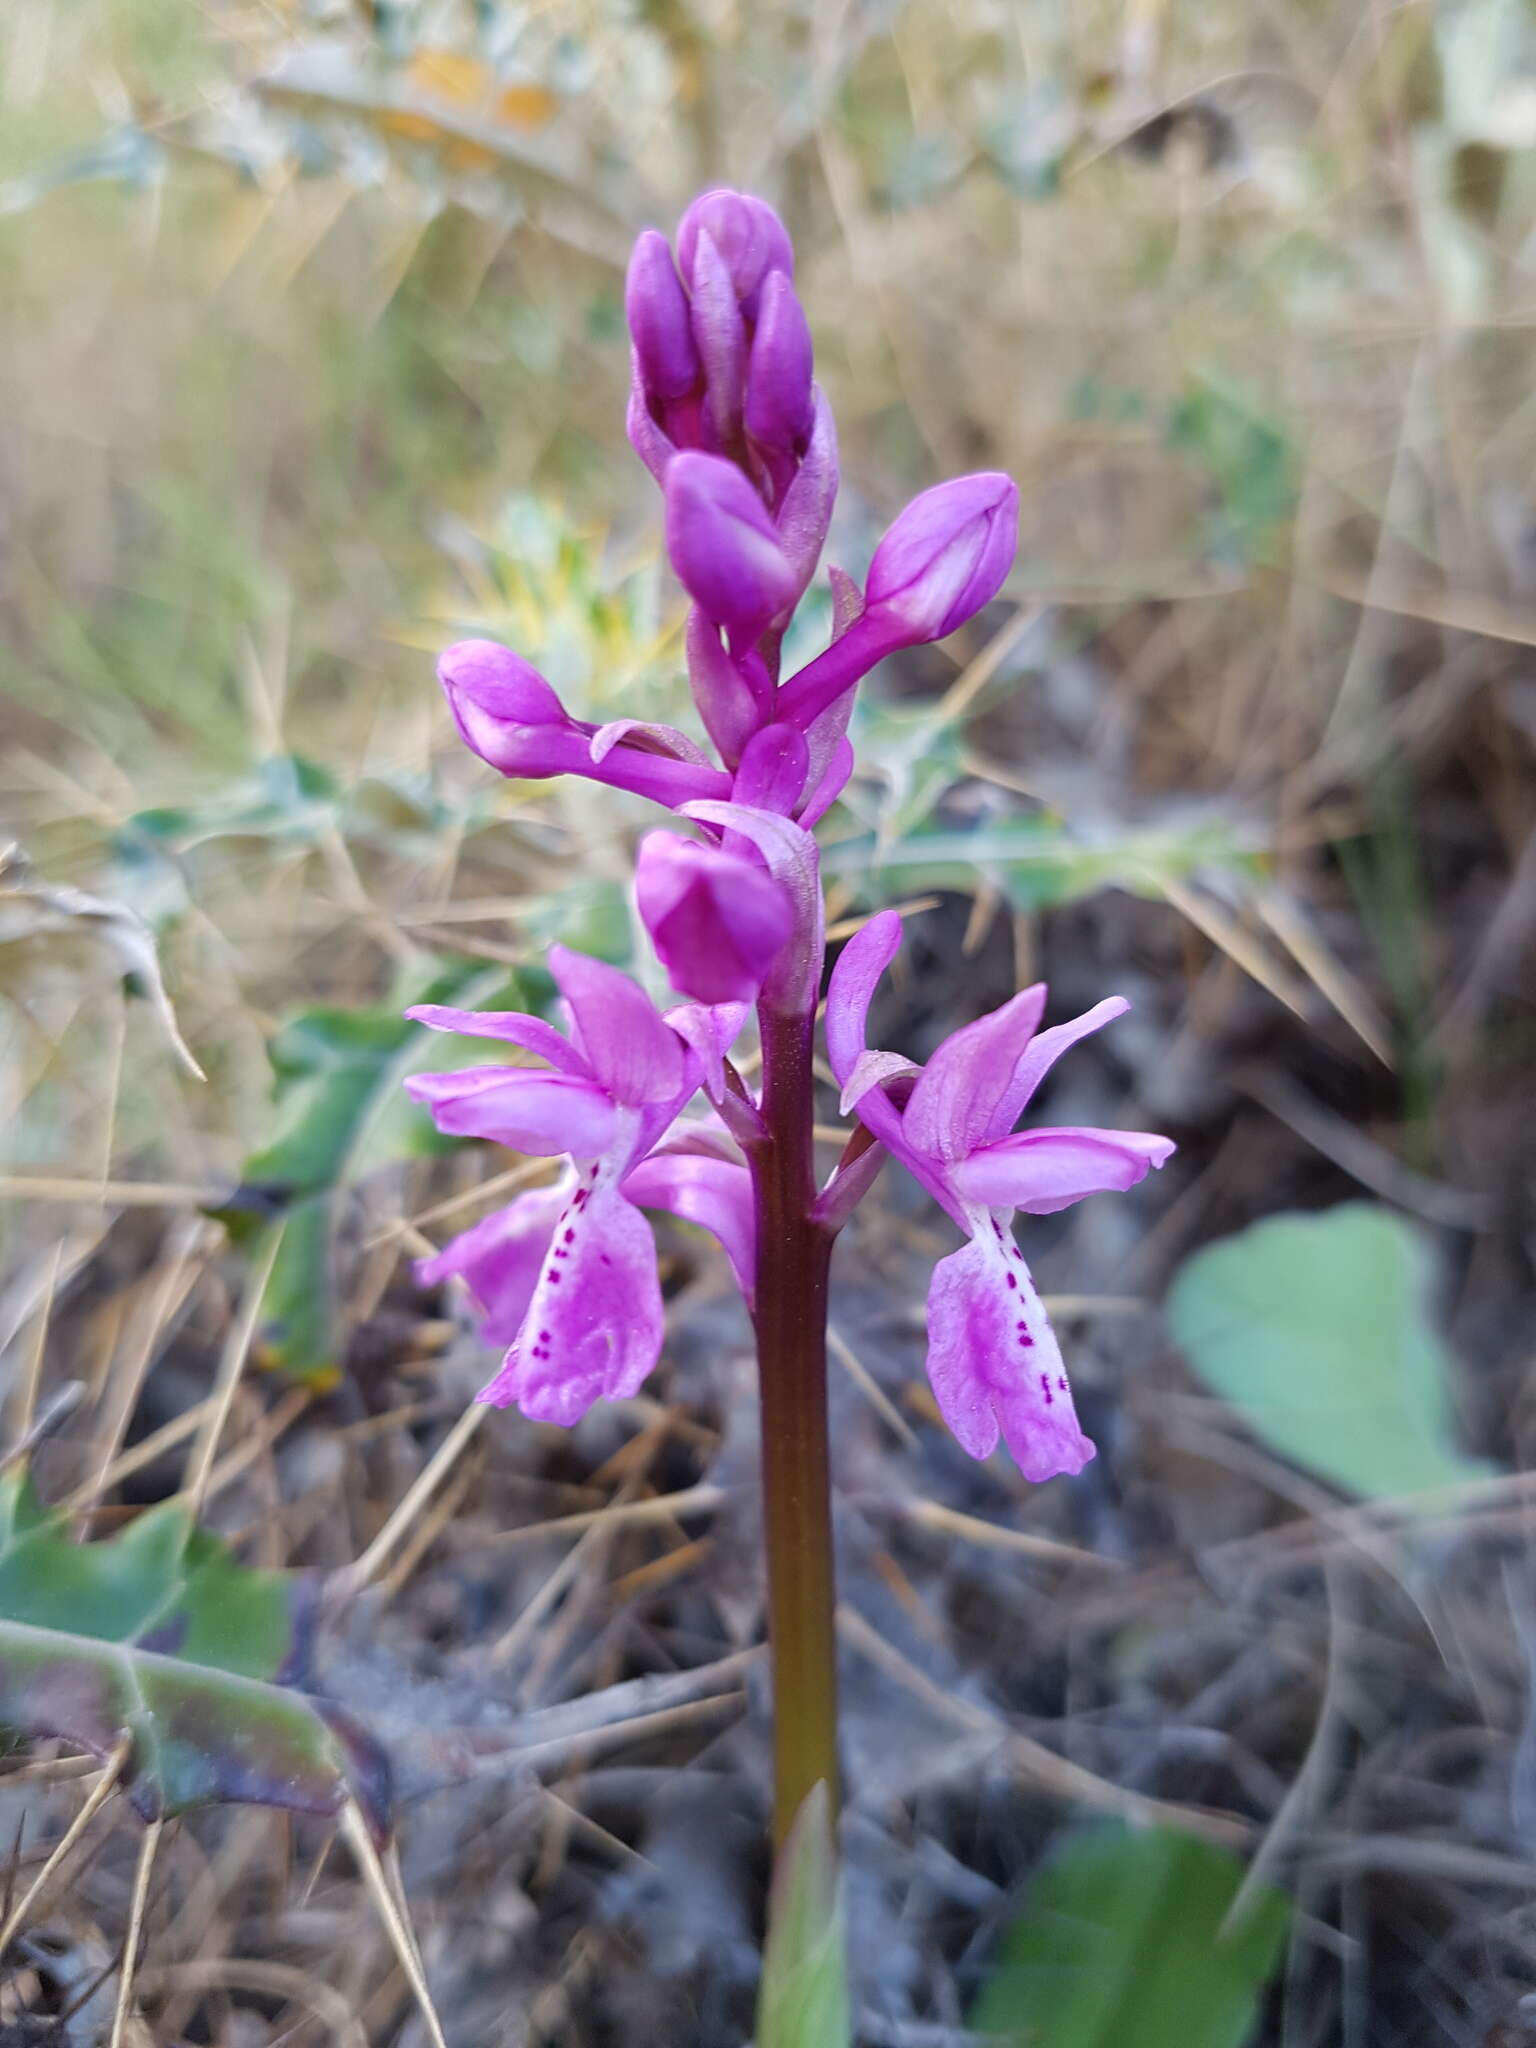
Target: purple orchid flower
(718, 922)
(567, 1277)
(993, 1358)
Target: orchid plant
(648, 1109)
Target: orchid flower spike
(567, 1277)
(993, 1358)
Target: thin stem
(793, 1256)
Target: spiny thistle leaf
(160, 1638)
(341, 1112)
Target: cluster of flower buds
(725, 414)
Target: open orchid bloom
(567, 1275)
(992, 1356)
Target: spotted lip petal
(593, 1328)
(994, 1361)
(500, 1257)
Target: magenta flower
(724, 547)
(717, 922)
(941, 559)
(993, 1358)
(589, 1325)
(512, 718)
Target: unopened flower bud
(778, 405)
(724, 547)
(499, 701)
(945, 556)
(656, 307)
(717, 922)
(747, 232)
(721, 335)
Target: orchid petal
(1046, 1170)
(852, 987)
(994, 1362)
(953, 1105)
(731, 695)
(833, 781)
(870, 1069)
(711, 1029)
(650, 442)
(714, 1193)
(721, 336)
(522, 1107)
(499, 1258)
(635, 1056)
(594, 1324)
(531, 1033)
(667, 737)
(792, 859)
(772, 771)
(806, 513)
(1041, 1055)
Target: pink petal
(831, 786)
(711, 1029)
(594, 1324)
(870, 1070)
(528, 1110)
(852, 987)
(715, 1193)
(635, 1056)
(792, 860)
(1046, 1170)
(994, 1361)
(499, 1258)
(531, 1033)
(1042, 1054)
(666, 738)
(964, 1085)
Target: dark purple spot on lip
(1062, 1383)
(1045, 1388)
(554, 1279)
(544, 1337)
(1012, 1279)
(570, 1237)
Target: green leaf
(1250, 460)
(1121, 1941)
(159, 1635)
(1318, 1330)
(342, 1112)
(1042, 861)
(803, 2001)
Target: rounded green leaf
(1318, 1330)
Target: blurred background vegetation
(313, 357)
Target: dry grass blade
(236, 1348)
(426, 1483)
(391, 1910)
(272, 1980)
(90, 1806)
(138, 1907)
(1054, 1774)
